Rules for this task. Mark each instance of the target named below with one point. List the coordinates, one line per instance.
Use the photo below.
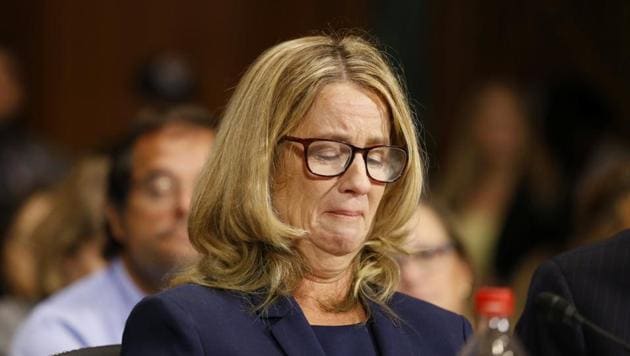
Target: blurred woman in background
(500, 182)
(56, 238)
(437, 268)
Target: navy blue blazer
(196, 320)
(596, 279)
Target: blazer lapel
(290, 328)
(391, 338)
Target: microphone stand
(557, 308)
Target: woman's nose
(355, 179)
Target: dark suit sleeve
(539, 336)
(157, 327)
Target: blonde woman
(296, 217)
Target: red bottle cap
(494, 301)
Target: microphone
(557, 309)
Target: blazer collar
(289, 327)
(389, 334)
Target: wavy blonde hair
(245, 247)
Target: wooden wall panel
(537, 42)
(82, 54)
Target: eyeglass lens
(329, 158)
(160, 189)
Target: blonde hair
(245, 247)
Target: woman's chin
(343, 245)
(335, 241)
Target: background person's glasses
(428, 258)
(331, 158)
(159, 190)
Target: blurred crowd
(509, 190)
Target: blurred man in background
(149, 190)
(594, 280)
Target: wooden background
(80, 56)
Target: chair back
(108, 350)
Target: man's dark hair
(119, 176)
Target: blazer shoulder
(423, 316)
(609, 253)
(617, 243)
(194, 298)
(188, 320)
(407, 307)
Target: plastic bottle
(493, 306)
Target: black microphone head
(557, 309)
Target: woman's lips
(350, 214)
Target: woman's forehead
(427, 228)
(344, 110)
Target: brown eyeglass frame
(306, 142)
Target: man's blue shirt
(90, 312)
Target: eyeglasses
(159, 190)
(331, 158)
(430, 253)
(428, 257)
